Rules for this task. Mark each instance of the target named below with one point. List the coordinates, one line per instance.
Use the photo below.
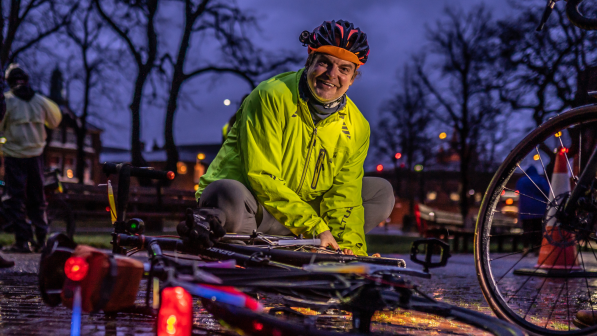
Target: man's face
(329, 77)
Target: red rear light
(170, 175)
(76, 268)
(176, 312)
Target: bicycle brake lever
(546, 13)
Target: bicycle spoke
(536, 186)
(587, 281)
(540, 288)
(553, 307)
(568, 161)
(531, 197)
(509, 234)
(508, 271)
(530, 276)
(545, 172)
(515, 253)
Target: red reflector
(170, 175)
(108, 209)
(76, 268)
(176, 312)
(257, 326)
(379, 168)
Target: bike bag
(111, 283)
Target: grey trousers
(244, 214)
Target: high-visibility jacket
(24, 124)
(278, 153)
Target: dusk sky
(395, 29)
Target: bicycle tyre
(577, 18)
(494, 297)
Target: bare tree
(94, 56)
(23, 24)
(225, 23)
(404, 128)
(126, 18)
(543, 67)
(463, 92)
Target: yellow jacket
(286, 161)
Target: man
(530, 210)
(293, 161)
(27, 115)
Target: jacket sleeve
(260, 131)
(53, 115)
(342, 205)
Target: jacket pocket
(319, 164)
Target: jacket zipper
(307, 160)
(319, 167)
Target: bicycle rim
(542, 286)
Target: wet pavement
(22, 311)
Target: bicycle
(542, 287)
(327, 284)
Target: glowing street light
(443, 135)
(379, 167)
(226, 102)
(200, 156)
(398, 156)
(536, 157)
(418, 167)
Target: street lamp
(226, 102)
(443, 135)
(398, 156)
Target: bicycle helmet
(338, 38)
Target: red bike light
(170, 175)
(175, 317)
(76, 268)
(257, 326)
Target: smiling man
(293, 162)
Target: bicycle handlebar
(577, 18)
(112, 168)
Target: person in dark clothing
(531, 211)
(24, 125)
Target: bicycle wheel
(537, 271)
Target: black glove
(202, 227)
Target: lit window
(181, 168)
(431, 196)
(455, 197)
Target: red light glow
(76, 268)
(170, 175)
(108, 209)
(398, 156)
(503, 192)
(257, 326)
(176, 312)
(564, 150)
(379, 167)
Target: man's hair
(14, 73)
(311, 59)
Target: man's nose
(332, 71)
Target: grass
(385, 244)
(389, 244)
(96, 240)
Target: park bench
(79, 202)
(445, 224)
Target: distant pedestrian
(27, 115)
(530, 210)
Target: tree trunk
(136, 150)
(170, 145)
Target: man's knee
(223, 193)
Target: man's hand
(327, 239)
